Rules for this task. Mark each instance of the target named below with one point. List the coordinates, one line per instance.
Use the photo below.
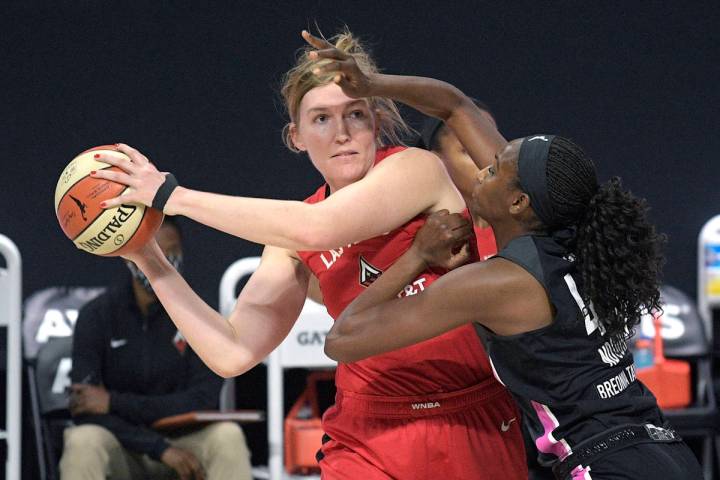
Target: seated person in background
(132, 367)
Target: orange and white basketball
(110, 232)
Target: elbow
(332, 347)
(462, 107)
(317, 237)
(315, 230)
(458, 101)
(232, 366)
(339, 343)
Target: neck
(337, 185)
(143, 297)
(506, 232)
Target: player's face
(496, 185)
(338, 132)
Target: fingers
(316, 42)
(191, 466)
(325, 49)
(445, 220)
(117, 201)
(116, 161)
(197, 469)
(135, 155)
(113, 176)
(327, 69)
(77, 405)
(463, 232)
(328, 54)
(460, 258)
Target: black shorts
(645, 461)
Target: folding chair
(684, 338)
(48, 325)
(302, 348)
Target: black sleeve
(89, 343)
(201, 392)
(132, 437)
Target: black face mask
(175, 260)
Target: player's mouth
(344, 154)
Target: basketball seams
(63, 200)
(117, 251)
(104, 232)
(79, 168)
(57, 205)
(91, 222)
(128, 226)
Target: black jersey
(571, 380)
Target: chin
(476, 211)
(353, 173)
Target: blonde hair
(300, 79)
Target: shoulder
(412, 160)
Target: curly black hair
(619, 253)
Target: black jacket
(144, 363)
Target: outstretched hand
(137, 172)
(342, 66)
(443, 240)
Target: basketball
(107, 232)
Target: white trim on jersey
(591, 318)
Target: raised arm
(404, 185)
(266, 309)
(432, 97)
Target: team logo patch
(180, 343)
(368, 273)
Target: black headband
(532, 173)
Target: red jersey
(485, 242)
(450, 362)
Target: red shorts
(472, 433)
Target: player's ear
(295, 137)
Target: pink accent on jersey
(547, 443)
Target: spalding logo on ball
(110, 232)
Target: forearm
(283, 223)
(444, 101)
(211, 336)
(389, 284)
(350, 330)
(149, 408)
(432, 97)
